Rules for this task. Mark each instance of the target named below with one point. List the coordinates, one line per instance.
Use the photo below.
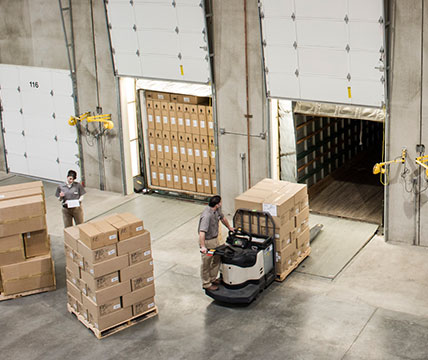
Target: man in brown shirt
(208, 239)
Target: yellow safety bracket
(103, 118)
(381, 167)
(422, 160)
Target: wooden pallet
(26, 293)
(302, 257)
(115, 328)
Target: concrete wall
(407, 99)
(31, 35)
(111, 175)
(229, 68)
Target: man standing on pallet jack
(208, 239)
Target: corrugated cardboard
(143, 306)
(20, 193)
(122, 226)
(91, 257)
(302, 217)
(11, 250)
(23, 225)
(103, 295)
(78, 259)
(136, 270)
(72, 301)
(107, 266)
(22, 208)
(142, 280)
(117, 317)
(282, 255)
(74, 291)
(140, 255)
(71, 235)
(23, 186)
(249, 202)
(101, 282)
(141, 241)
(98, 310)
(36, 243)
(97, 234)
(69, 253)
(28, 275)
(136, 224)
(75, 280)
(138, 295)
(303, 239)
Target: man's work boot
(212, 288)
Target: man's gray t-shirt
(208, 222)
(73, 192)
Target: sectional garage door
(328, 51)
(36, 105)
(159, 39)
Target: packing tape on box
(11, 250)
(20, 219)
(29, 276)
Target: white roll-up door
(36, 105)
(159, 39)
(328, 51)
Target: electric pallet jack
(248, 257)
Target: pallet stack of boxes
(26, 264)
(288, 204)
(109, 270)
(181, 142)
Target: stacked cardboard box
(181, 142)
(289, 206)
(109, 269)
(25, 259)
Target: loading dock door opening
(328, 51)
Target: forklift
(247, 258)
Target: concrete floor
(375, 308)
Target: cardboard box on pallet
(285, 258)
(36, 243)
(22, 225)
(21, 208)
(137, 248)
(97, 234)
(102, 295)
(97, 255)
(107, 266)
(104, 322)
(142, 280)
(143, 306)
(15, 194)
(32, 274)
(11, 250)
(97, 310)
(136, 296)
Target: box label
(139, 228)
(214, 183)
(158, 119)
(174, 149)
(211, 125)
(111, 252)
(152, 147)
(180, 121)
(184, 179)
(176, 178)
(111, 237)
(199, 181)
(269, 208)
(207, 183)
(173, 120)
(213, 154)
(187, 122)
(160, 148)
(167, 148)
(195, 123)
(190, 180)
(186, 99)
(115, 279)
(165, 119)
(202, 124)
(197, 152)
(161, 176)
(154, 175)
(168, 177)
(151, 305)
(183, 150)
(150, 118)
(117, 306)
(204, 153)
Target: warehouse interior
(245, 70)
